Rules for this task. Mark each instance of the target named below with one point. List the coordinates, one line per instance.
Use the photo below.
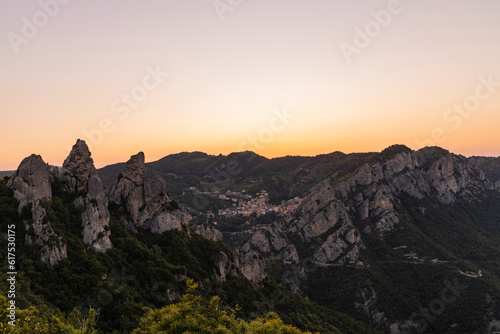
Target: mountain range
(398, 241)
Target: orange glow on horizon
(176, 78)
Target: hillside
(127, 247)
(389, 241)
(399, 241)
(284, 177)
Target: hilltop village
(244, 204)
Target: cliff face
(146, 203)
(31, 184)
(79, 175)
(142, 204)
(335, 217)
(372, 194)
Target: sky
(280, 77)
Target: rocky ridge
(146, 203)
(79, 175)
(338, 212)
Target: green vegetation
(44, 320)
(136, 285)
(195, 315)
(142, 270)
(445, 239)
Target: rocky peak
(146, 202)
(134, 171)
(373, 192)
(79, 168)
(207, 232)
(31, 184)
(79, 175)
(32, 181)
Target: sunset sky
(280, 77)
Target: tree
(194, 315)
(44, 320)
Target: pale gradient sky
(227, 77)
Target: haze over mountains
(399, 241)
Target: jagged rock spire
(32, 181)
(79, 172)
(145, 202)
(134, 171)
(80, 175)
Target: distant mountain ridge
(6, 173)
(403, 241)
(288, 176)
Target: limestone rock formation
(289, 255)
(269, 241)
(78, 171)
(145, 202)
(40, 233)
(335, 248)
(166, 220)
(31, 184)
(252, 267)
(32, 181)
(208, 232)
(79, 175)
(373, 191)
(337, 213)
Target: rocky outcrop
(342, 246)
(221, 262)
(145, 203)
(166, 220)
(31, 184)
(79, 175)
(339, 213)
(289, 255)
(40, 233)
(266, 239)
(372, 193)
(78, 172)
(207, 232)
(252, 266)
(226, 264)
(32, 181)
(129, 189)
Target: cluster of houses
(245, 205)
